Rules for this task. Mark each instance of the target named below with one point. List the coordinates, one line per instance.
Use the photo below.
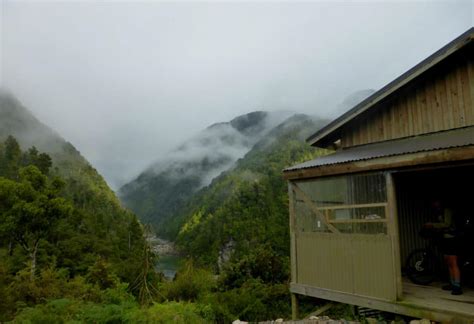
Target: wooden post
(294, 307)
(291, 197)
(393, 231)
(294, 269)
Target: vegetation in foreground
(64, 258)
(59, 265)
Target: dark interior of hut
(424, 197)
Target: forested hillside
(63, 232)
(245, 210)
(161, 191)
(70, 252)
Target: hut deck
(434, 297)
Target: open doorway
(416, 193)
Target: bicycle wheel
(420, 267)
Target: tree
(11, 158)
(41, 160)
(30, 210)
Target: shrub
(253, 301)
(190, 284)
(171, 312)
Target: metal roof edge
(441, 54)
(458, 137)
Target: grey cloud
(126, 82)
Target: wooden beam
(445, 156)
(321, 310)
(310, 204)
(358, 221)
(352, 206)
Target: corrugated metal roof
(430, 142)
(455, 45)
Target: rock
(371, 320)
(314, 318)
(237, 321)
(415, 322)
(161, 246)
(280, 320)
(225, 253)
(425, 321)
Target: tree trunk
(10, 248)
(33, 261)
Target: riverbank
(162, 247)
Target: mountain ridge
(101, 212)
(164, 187)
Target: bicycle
(424, 266)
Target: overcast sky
(126, 82)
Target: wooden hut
(355, 214)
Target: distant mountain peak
(250, 122)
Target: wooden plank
(393, 120)
(386, 122)
(440, 114)
(418, 121)
(446, 117)
(364, 131)
(449, 101)
(459, 87)
(393, 230)
(471, 82)
(346, 138)
(433, 113)
(435, 297)
(355, 134)
(424, 108)
(370, 136)
(458, 112)
(410, 114)
(404, 113)
(310, 204)
(449, 156)
(466, 91)
(349, 206)
(350, 221)
(359, 136)
(380, 124)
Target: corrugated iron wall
(356, 264)
(411, 217)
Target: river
(169, 259)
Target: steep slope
(100, 226)
(160, 192)
(243, 214)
